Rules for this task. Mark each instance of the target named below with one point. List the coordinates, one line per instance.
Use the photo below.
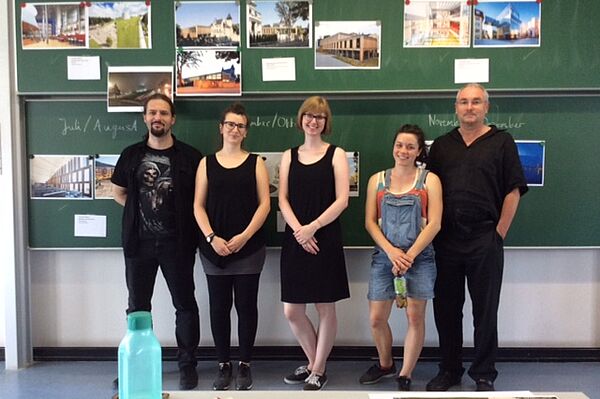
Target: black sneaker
(403, 383)
(376, 373)
(484, 385)
(443, 381)
(188, 378)
(223, 377)
(315, 382)
(299, 376)
(243, 379)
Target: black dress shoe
(485, 385)
(188, 378)
(403, 383)
(443, 381)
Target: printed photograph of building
(53, 26)
(507, 23)
(353, 165)
(128, 87)
(437, 24)
(273, 161)
(347, 44)
(120, 25)
(61, 176)
(532, 154)
(208, 73)
(207, 24)
(104, 168)
(278, 24)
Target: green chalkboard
(568, 58)
(561, 213)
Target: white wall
(550, 299)
(6, 236)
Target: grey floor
(91, 379)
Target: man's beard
(158, 132)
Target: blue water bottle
(140, 360)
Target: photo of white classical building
(207, 24)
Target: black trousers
(221, 293)
(481, 262)
(178, 271)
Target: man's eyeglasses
(231, 125)
(319, 118)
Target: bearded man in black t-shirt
(154, 181)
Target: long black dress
(307, 278)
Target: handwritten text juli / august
(91, 124)
(434, 120)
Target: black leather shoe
(188, 378)
(403, 383)
(443, 381)
(484, 385)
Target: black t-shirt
(475, 179)
(156, 203)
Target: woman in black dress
(313, 192)
(231, 204)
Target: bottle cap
(141, 320)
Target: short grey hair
(486, 96)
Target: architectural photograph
(437, 23)
(60, 176)
(533, 158)
(53, 26)
(128, 87)
(207, 24)
(104, 168)
(354, 167)
(273, 161)
(347, 44)
(120, 25)
(279, 24)
(209, 73)
(507, 23)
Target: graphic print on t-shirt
(156, 201)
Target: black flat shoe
(443, 381)
(403, 383)
(484, 385)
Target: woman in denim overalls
(403, 214)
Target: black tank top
(231, 202)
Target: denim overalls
(401, 223)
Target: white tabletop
(354, 394)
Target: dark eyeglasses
(231, 125)
(318, 118)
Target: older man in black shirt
(483, 181)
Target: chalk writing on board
(509, 123)
(275, 121)
(95, 125)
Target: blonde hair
(315, 104)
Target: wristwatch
(210, 237)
